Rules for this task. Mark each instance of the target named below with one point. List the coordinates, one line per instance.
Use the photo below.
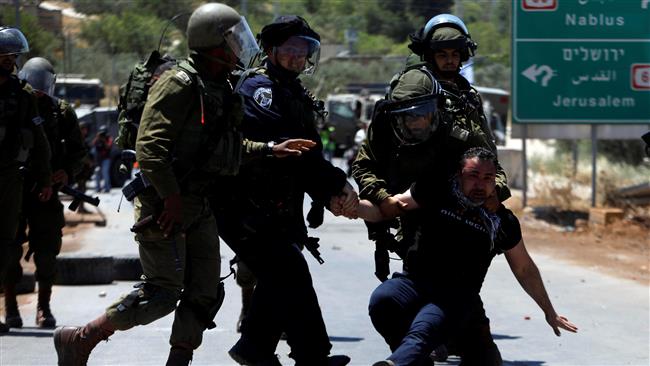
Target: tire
(77, 270)
(127, 269)
(27, 284)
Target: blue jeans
(411, 321)
(104, 174)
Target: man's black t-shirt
(456, 242)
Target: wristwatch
(269, 148)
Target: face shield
(41, 80)
(414, 120)
(241, 41)
(12, 42)
(299, 54)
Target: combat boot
(12, 315)
(3, 328)
(179, 356)
(74, 344)
(44, 317)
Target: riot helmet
(290, 37)
(443, 31)
(39, 73)
(218, 25)
(12, 42)
(414, 112)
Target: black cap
(284, 27)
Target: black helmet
(39, 73)
(12, 42)
(444, 31)
(283, 28)
(102, 130)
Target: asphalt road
(612, 314)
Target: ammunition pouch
(207, 314)
(144, 293)
(136, 186)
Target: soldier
(21, 136)
(187, 139)
(391, 160)
(265, 224)
(45, 219)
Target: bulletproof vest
(16, 138)
(271, 184)
(219, 151)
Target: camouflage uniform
(21, 136)
(45, 219)
(172, 122)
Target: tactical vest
(270, 185)
(16, 137)
(219, 151)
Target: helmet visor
(241, 41)
(415, 120)
(41, 80)
(299, 54)
(12, 42)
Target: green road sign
(581, 61)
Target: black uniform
(264, 222)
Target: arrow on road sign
(533, 72)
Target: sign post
(581, 62)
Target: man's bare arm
(529, 278)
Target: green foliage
(41, 42)
(125, 33)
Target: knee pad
(245, 278)
(206, 313)
(145, 304)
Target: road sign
(581, 61)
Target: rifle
(78, 197)
(311, 244)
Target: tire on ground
(127, 269)
(27, 284)
(88, 270)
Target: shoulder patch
(183, 77)
(263, 97)
(37, 120)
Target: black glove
(315, 215)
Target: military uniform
(45, 219)
(21, 136)
(266, 227)
(187, 139)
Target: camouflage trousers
(185, 266)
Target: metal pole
(524, 164)
(244, 8)
(17, 8)
(594, 149)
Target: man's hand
(172, 214)
(293, 147)
(346, 203)
(60, 177)
(45, 194)
(558, 321)
(391, 207)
